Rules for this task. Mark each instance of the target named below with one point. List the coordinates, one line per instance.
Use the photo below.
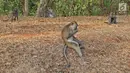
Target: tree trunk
(41, 10)
(22, 6)
(26, 8)
(102, 7)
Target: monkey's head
(74, 25)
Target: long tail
(65, 55)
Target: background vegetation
(64, 7)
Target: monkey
(70, 40)
(112, 18)
(49, 12)
(14, 15)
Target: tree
(26, 8)
(22, 6)
(41, 8)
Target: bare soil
(34, 45)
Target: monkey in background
(70, 40)
(14, 14)
(50, 13)
(112, 18)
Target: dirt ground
(34, 45)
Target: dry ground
(34, 45)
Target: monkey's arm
(72, 34)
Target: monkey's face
(73, 29)
(75, 26)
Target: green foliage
(96, 10)
(33, 4)
(7, 5)
(77, 7)
(63, 7)
(70, 7)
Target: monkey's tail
(65, 55)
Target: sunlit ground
(34, 45)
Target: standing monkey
(71, 41)
(112, 18)
(50, 13)
(14, 16)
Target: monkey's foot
(82, 47)
(67, 66)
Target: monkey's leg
(79, 42)
(14, 18)
(65, 55)
(114, 21)
(17, 17)
(109, 20)
(75, 46)
(11, 18)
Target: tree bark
(22, 6)
(26, 8)
(42, 7)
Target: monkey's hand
(75, 32)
